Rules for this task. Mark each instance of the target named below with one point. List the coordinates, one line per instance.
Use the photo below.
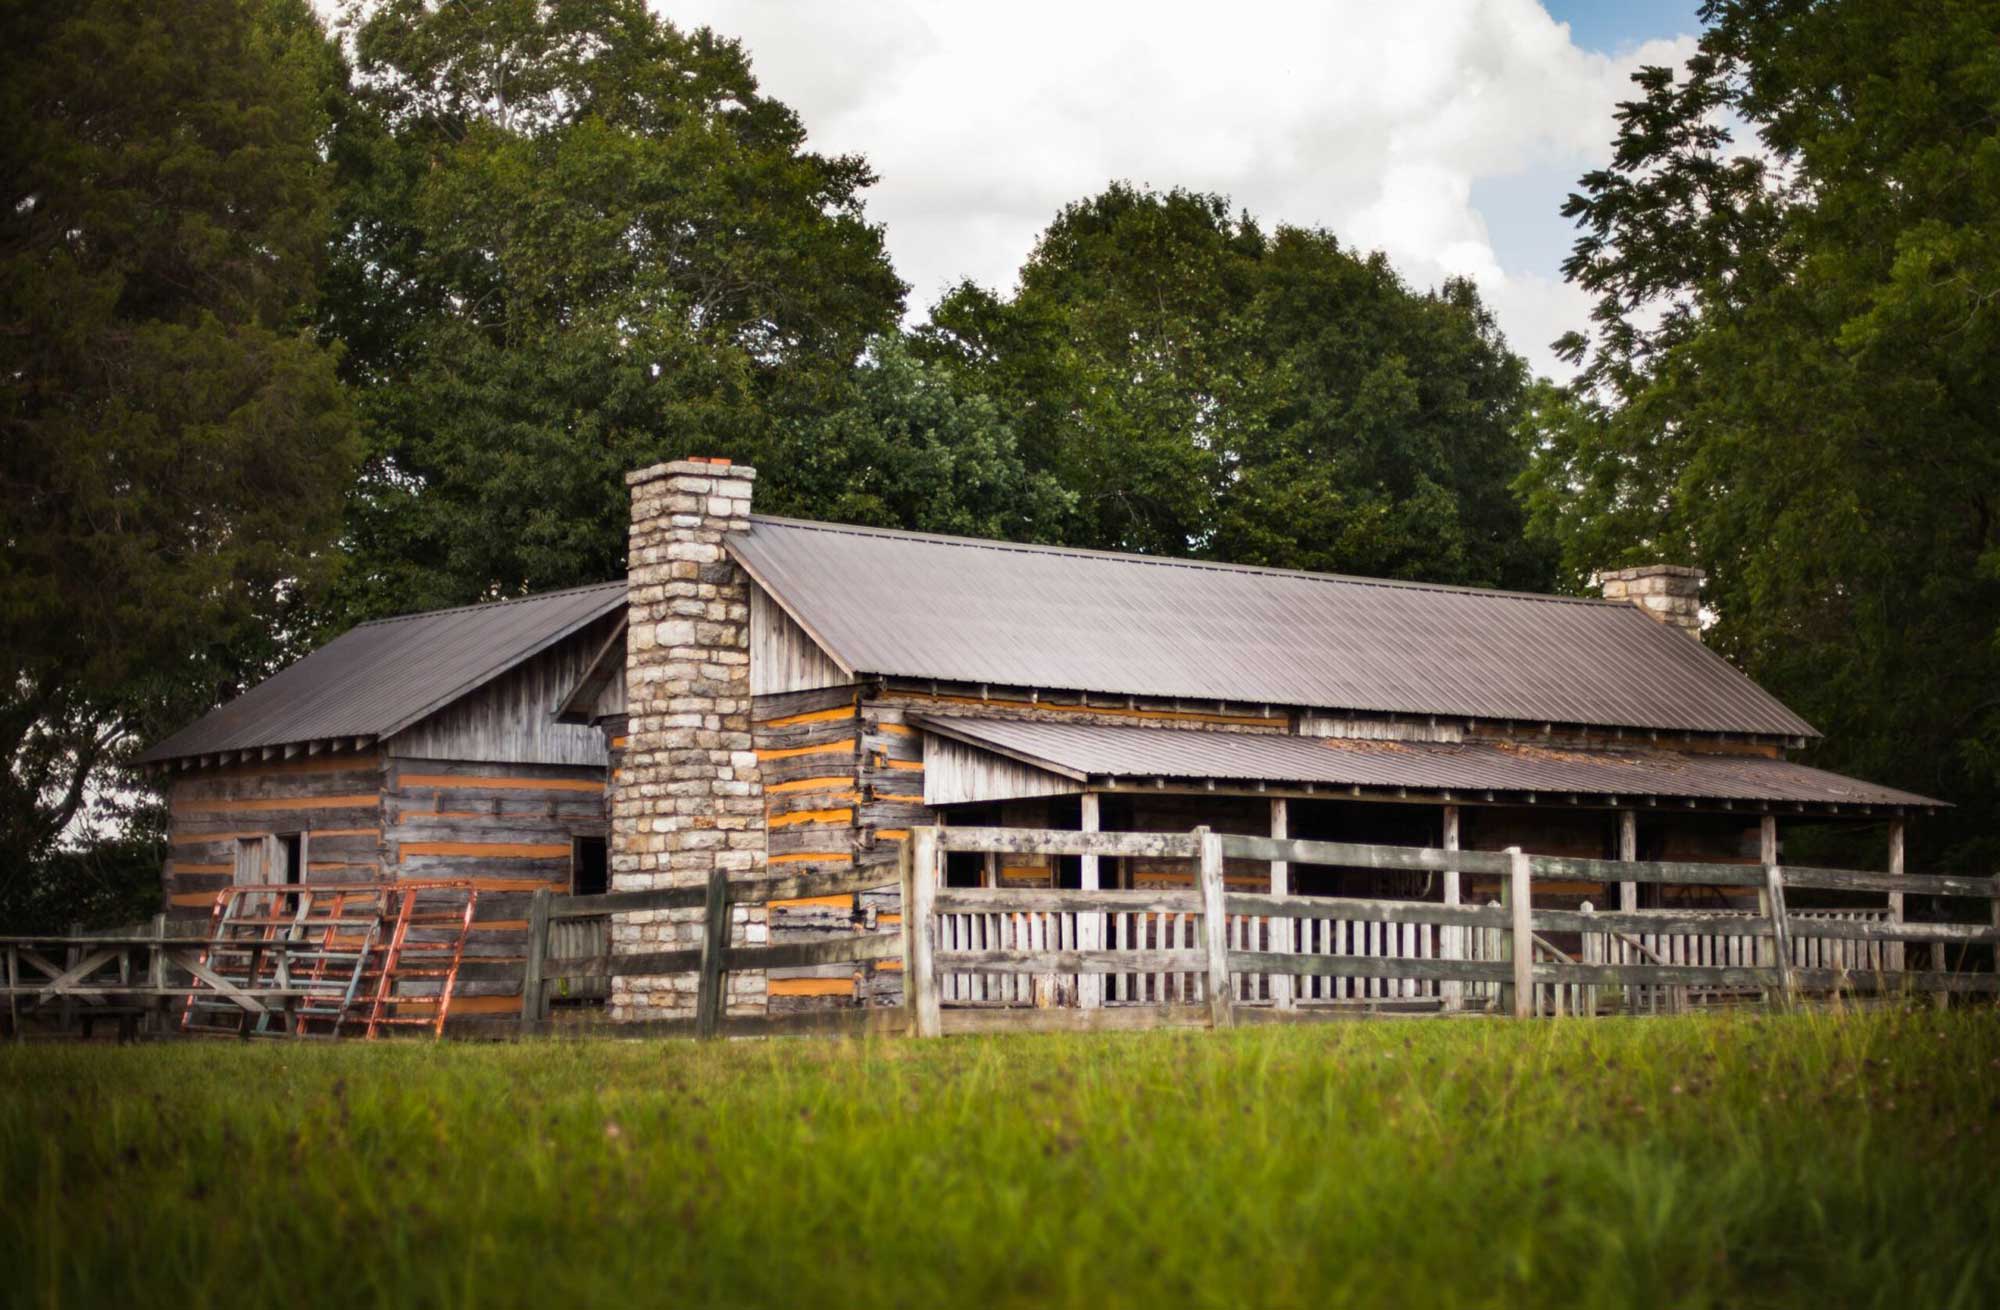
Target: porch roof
(1079, 755)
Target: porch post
(1281, 928)
(1895, 952)
(1090, 923)
(1628, 851)
(1452, 938)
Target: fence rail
(997, 958)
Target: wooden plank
(926, 874)
(1522, 932)
(1071, 961)
(1856, 880)
(1048, 841)
(1895, 950)
(533, 990)
(660, 898)
(1357, 909)
(1720, 923)
(713, 974)
(1127, 1018)
(1043, 900)
(1371, 966)
(1865, 930)
(1215, 927)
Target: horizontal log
(1045, 841)
(1071, 961)
(1356, 910)
(849, 949)
(805, 886)
(1566, 868)
(1369, 966)
(1915, 884)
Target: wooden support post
(922, 874)
(989, 873)
(1089, 923)
(1628, 851)
(14, 992)
(713, 981)
(1281, 928)
(159, 1012)
(1897, 957)
(1772, 903)
(1450, 938)
(1521, 943)
(1215, 927)
(532, 986)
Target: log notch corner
(688, 798)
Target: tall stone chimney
(688, 798)
(1670, 593)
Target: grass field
(1804, 1160)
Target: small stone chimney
(1670, 593)
(688, 798)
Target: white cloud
(1375, 121)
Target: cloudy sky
(1445, 132)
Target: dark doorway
(589, 867)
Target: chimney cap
(1638, 571)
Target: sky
(1445, 133)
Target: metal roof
(1088, 751)
(900, 604)
(382, 676)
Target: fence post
(1521, 938)
(1089, 923)
(1214, 927)
(158, 1009)
(1781, 931)
(533, 989)
(920, 979)
(1451, 938)
(1281, 930)
(713, 980)
(1897, 958)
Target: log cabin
(764, 695)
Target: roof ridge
(1175, 561)
(490, 604)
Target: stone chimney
(1670, 593)
(688, 798)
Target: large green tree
(1201, 385)
(574, 240)
(177, 442)
(1790, 379)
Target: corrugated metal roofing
(904, 604)
(1133, 752)
(380, 677)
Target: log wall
(334, 800)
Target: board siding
(511, 719)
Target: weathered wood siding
(511, 719)
(782, 657)
(335, 800)
(957, 774)
(508, 829)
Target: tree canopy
(1789, 379)
(177, 441)
(1202, 386)
(573, 240)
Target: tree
(1789, 377)
(905, 450)
(1203, 387)
(573, 240)
(177, 439)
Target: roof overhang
(1044, 758)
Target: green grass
(1807, 1160)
